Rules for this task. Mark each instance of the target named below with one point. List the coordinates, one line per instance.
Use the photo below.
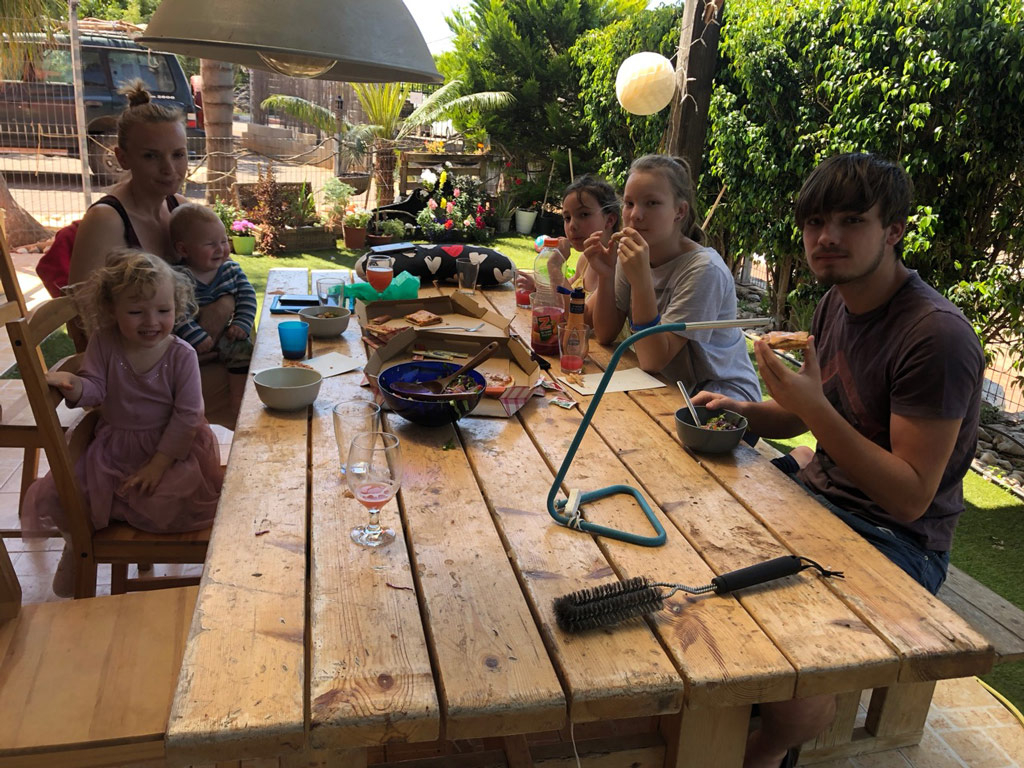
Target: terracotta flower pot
(373, 240)
(355, 237)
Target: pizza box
(456, 309)
(512, 358)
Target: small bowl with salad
(721, 430)
(325, 322)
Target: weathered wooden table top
(302, 640)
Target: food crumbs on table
(261, 533)
(575, 378)
(449, 446)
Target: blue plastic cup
(294, 337)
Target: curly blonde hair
(133, 272)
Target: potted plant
(355, 228)
(383, 231)
(504, 208)
(525, 217)
(336, 197)
(243, 238)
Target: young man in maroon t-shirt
(890, 388)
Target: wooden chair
(88, 682)
(17, 426)
(118, 544)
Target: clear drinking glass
(330, 290)
(374, 476)
(380, 272)
(351, 418)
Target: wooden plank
(624, 673)
(930, 639)
(840, 731)
(899, 709)
(819, 637)
(1001, 622)
(241, 688)
(371, 679)
(706, 737)
(107, 665)
(493, 670)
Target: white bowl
(321, 327)
(288, 389)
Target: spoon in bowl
(689, 404)
(437, 386)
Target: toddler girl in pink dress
(153, 461)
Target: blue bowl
(435, 413)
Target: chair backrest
(13, 304)
(10, 587)
(26, 335)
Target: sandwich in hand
(786, 342)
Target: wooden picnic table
(304, 644)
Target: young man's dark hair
(856, 182)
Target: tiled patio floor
(967, 726)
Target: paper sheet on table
(327, 365)
(622, 381)
(332, 364)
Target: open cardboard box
(456, 309)
(512, 358)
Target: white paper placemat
(331, 364)
(621, 381)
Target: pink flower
(449, 224)
(457, 192)
(450, 208)
(432, 204)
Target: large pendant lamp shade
(349, 40)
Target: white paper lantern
(645, 83)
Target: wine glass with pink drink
(374, 476)
(380, 272)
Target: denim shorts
(925, 566)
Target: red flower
(449, 224)
(479, 223)
(480, 209)
(518, 182)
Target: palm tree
(18, 18)
(382, 103)
(218, 108)
(352, 140)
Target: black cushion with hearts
(437, 262)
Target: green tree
(523, 46)
(615, 136)
(934, 84)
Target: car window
(53, 65)
(92, 68)
(126, 66)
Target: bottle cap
(550, 242)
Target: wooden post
(696, 60)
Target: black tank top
(129, 231)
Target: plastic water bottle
(546, 305)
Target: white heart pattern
(433, 264)
(477, 258)
(503, 275)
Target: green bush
(934, 84)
